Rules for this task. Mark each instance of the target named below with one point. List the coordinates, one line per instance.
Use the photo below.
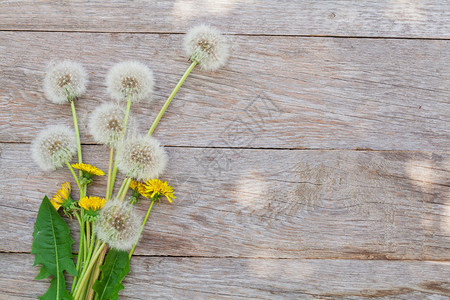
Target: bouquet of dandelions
(110, 222)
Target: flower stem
(142, 228)
(88, 237)
(113, 178)
(77, 132)
(95, 274)
(123, 192)
(174, 92)
(125, 121)
(110, 167)
(75, 177)
(127, 113)
(91, 247)
(86, 271)
(85, 286)
(78, 217)
(121, 187)
(80, 257)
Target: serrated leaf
(52, 247)
(114, 270)
(51, 293)
(42, 274)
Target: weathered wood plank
(336, 18)
(276, 92)
(267, 203)
(232, 278)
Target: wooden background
(314, 165)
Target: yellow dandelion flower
(92, 203)
(155, 187)
(56, 205)
(135, 184)
(88, 169)
(142, 190)
(62, 196)
(138, 189)
(139, 186)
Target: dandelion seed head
(118, 225)
(106, 123)
(53, 146)
(130, 78)
(141, 158)
(207, 46)
(63, 80)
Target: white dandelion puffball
(106, 124)
(141, 158)
(207, 46)
(64, 80)
(53, 146)
(118, 225)
(130, 78)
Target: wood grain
(276, 92)
(232, 278)
(267, 203)
(273, 201)
(423, 19)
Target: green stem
(78, 217)
(125, 121)
(121, 187)
(142, 227)
(77, 132)
(124, 191)
(80, 222)
(85, 286)
(83, 193)
(91, 246)
(174, 92)
(82, 241)
(127, 113)
(113, 178)
(80, 257)
(95, 274)
(75, 177)
(94, 241)
(94, 250)
(86, 271)
(88, 236)
(83, 237)
(110, 167)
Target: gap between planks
(236, 34)
(264, 148)
(259, 257)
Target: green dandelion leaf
(52, 247)
(114, 270)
